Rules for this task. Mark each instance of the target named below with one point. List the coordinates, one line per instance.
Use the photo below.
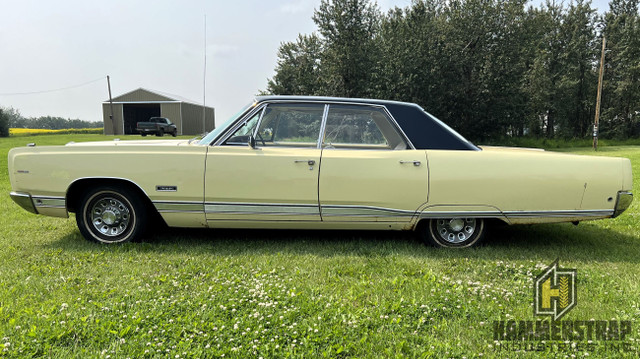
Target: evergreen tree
(4, 124)
(298, 71)
(621, 92)
(347, 29)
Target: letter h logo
(555, 291)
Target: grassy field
(273, 294)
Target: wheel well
(78, 188)
(499, 221)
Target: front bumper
(24, 200)
(48, 206)
(623, 201)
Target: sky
(157, 45)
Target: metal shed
(141, 104)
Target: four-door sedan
(317, 163)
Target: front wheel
(454, 232)
(175, 133)
(111, 215)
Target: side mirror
(252, 142)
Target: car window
(294, 125)
(241, 136)
(360, 127)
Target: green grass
(559, 143)
(272, 294)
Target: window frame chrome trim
(327, 104)
(323, 125)
(234, 126)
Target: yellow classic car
(316, 163)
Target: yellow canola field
(42, 131)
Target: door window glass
(294, 125)
(361, 127)
(241, 136)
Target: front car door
(369, 171)
(275, 181)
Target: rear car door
(369, 171)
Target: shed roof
(145, 95)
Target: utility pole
(204, 80)
(113, 123)
(599, 96)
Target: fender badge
(167, 188)
(23, 171)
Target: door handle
(415, 163)
(309, 162)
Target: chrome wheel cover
(456, 230)
(110, 216)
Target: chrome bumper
(48, 206)
(623, 201)
(24, 200)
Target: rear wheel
(143, 134)
(109, 214)
(454, 232)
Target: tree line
(489, 68)
(11, 118)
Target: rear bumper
(623, 201)
(47, 206)
(146, 130)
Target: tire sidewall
(434, 238)
(129, 199)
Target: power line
(46, 91)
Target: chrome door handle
(309, 162)
(415, 163)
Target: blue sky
(158, 45)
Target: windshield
(213, 134)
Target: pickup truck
(158, 126)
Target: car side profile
(317, 163)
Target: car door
(369, 171)
(277, 180)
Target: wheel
(454, 232)
(144, 134)
(175, 133)
(160, 133)
(109, 214)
